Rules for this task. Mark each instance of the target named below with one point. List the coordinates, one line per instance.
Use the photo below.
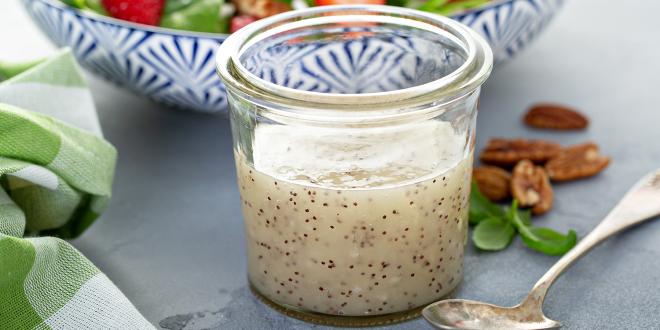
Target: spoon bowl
(470, 314)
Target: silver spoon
(641, 203)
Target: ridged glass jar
(353, 133)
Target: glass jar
(353, 133)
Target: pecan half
(553, 116)
(503, 152)
(576, 162)
(531, 187)
(493, 182)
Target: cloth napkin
(56, 174)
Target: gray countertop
(172, 238)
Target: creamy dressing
(367, 222)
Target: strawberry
(237, 22)
(138, 11)
(348, 2)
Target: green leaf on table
(481, 208)
(493, 234)
(496, 227)
(518, 219)
(199, 15)
(544, 240)
(548, 241)
(525, 216)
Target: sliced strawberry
(237, 22)
(348, 2)
(138, 11)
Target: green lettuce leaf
(197, 15)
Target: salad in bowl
(163, 49)
(220, 16)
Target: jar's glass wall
(353, 137)
(355, 221)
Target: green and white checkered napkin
(56, 174)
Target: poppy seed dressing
(338, 224)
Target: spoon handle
(641, 203)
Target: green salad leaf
(432, 5)
(204, 15)
(398, 3)
(96, 6)
(493, 234)
(75, 3)
(481, 208)
(88, 5)
(175, 5)
(195, 15)
(444, 7)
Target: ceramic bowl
(177, 67)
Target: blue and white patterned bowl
(178, 68)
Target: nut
(531, 187)
(261, 8)
(503, 152)
(576, 162)
(552, 116)
(493, 182)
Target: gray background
(172, 239)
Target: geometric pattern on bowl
(352, 60)
(177, 67)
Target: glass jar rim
(466, 78)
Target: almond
(493, 182)
(553, 116)
(531, 187)
(576, 162)
(503, 152)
